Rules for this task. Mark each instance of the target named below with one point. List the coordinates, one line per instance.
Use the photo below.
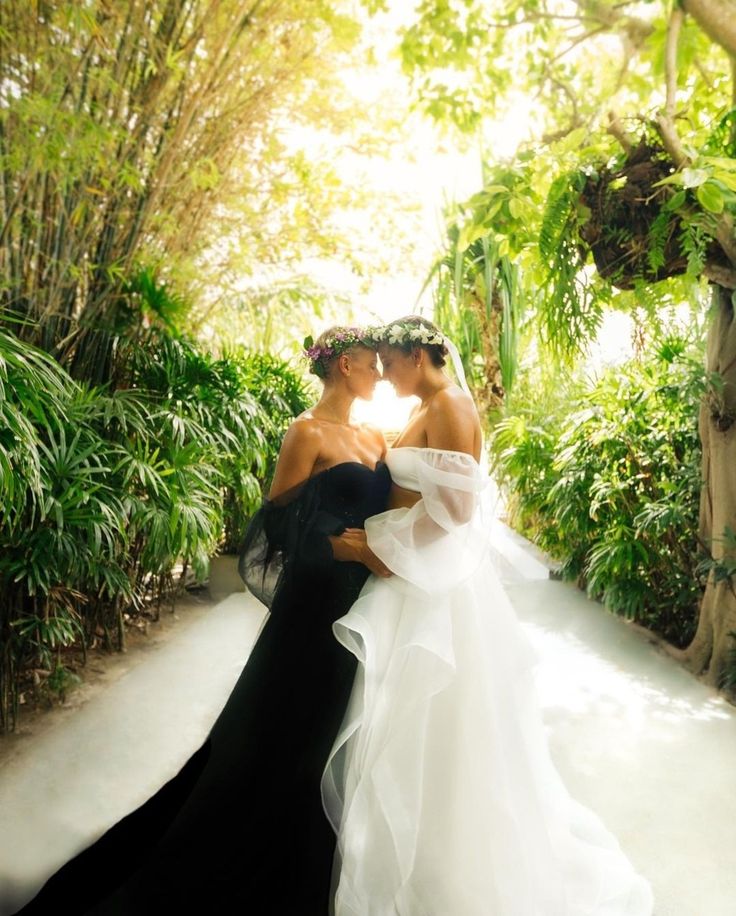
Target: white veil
(457, 364)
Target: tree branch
(575, 119)
(698, 64)
(725, 235)
(665, 124)
(616, 129)
(670, 60)
(717, 18)
(583, 36)
(665, 121)
(612, 18)
(722, 276)
(671, 140)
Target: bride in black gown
(241, 827)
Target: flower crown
(320, 355)
(409, 333)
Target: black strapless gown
(241, 828)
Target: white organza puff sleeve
(441, 540)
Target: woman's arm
(297, 457)
(452, 424)
(438, 539)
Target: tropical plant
(608, 482)
(478, 302)
(61, 527)
(110, 497)
(281, 394)
(633, 152)
(126, 130)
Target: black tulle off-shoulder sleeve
(287, 536)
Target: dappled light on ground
(572, 676)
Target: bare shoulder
(303, 428)
(452, 420)
(297, 456)
(452, 400)
(306, 418)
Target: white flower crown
(396, 334)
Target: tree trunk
(709, 652)
(717, 19)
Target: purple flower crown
(319, 356)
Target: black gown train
(241, 828)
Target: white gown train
(440, 785)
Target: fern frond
(572, 309)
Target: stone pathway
(634, 736)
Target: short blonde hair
(331, 344)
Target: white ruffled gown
(440, 785)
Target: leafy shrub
(109, 497)
(62, 524)
(608, 482)
(280, 394)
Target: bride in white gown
(440, 786)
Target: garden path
(634, 735)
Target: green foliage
(694, 242)
(560, 212)
(280, 394)
(152, 131)
(111, 496)
(659, 234)
(147, 300)
(478, 300)
(471, 63)
(591, 71)
(570, 308)
(30, 389)
(606, 477)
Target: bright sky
(429, 171)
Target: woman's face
(364, 374)
(399, 368)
